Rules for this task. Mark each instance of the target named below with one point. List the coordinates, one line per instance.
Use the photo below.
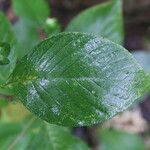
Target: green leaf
(76, 79)
(104, 20)
(27, 37)
(34, 12)
(35, 135)
(144, 59)
(6, 38)
(120, 140)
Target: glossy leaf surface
(38, 135)
(119, 140)
(76, 79)
(104, 20)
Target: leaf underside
(76, 79)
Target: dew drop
(44, 82)
(80, 123)
(75, 83)
(98, 112)
(93, 92)
(55, 110)
(78, 40)
(74, 44)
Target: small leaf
(76, 79)
(35, 11)
(7, 40)
(120, 140)
(36, 135)
(104, 20)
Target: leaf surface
(104, 20)
(76, 79)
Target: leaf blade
(76, 79)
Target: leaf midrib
(53, 80)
